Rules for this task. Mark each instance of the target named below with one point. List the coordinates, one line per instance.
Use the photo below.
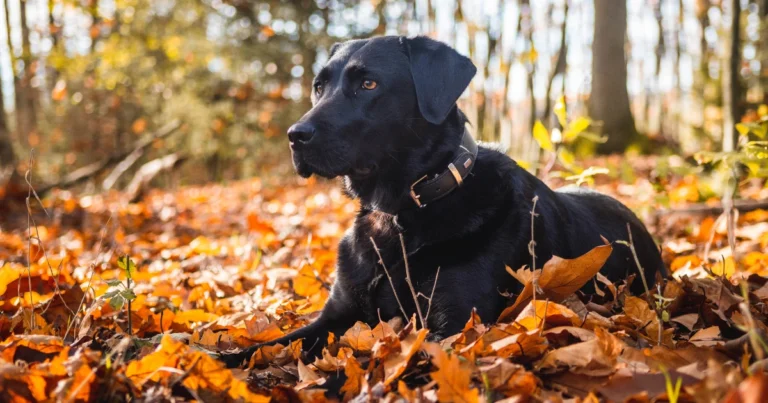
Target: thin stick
(658, 314)
(657, 308)
(130, 324)
(429, 307)
(708, 245)
(532, 251)
(637, 259)
(391, 283)
(410, 283)
(28, 179)
(731, 215)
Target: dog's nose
(300, 132)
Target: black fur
(382, 140)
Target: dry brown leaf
(307, 377)
(204, 373)
(277, 354)
(355, 379)
(644, 318)
(688, 320)
(596, 357)
(707, 337)
(330, 363)
(395, 363)
(360, 337)
(611, 287)
(453, 380)
(560, 278)
(752, 390)
(526, 344)
(555, 315)
(509, 379)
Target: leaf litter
(216, 268)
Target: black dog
(385, 119)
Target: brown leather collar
(425, 191)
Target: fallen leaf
(509, 379)
(355, 379)
(752, 390)
(707, 337)
(596, 357)
(560, 278)
(395, 363)
(360, 337)
(453, 380)
(548, 313)
(307, 377)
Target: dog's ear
(333, 49)
(440, 75)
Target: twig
(32, 223)
(130, 324)
(656, 306)
(28, 179)
(757, 342)
(410, 283)
(148, 171)
(711, 239)
(637, 260)
(391, 283)
(89, 171)
(90, 277)
(706, 209)
(659, 317)
(532, 251)
(429, 307)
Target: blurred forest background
(104, 89)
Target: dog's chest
(381, 252)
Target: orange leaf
(510, 379)
(193, 315)
(395, 364)
(307, 377)
(307, 283)
(329, 363)
(277, 354)
(596, 357)
(549, 313)
(562, 277)
(452, 379)
(355, 379)
(360, 337)
(261, 330)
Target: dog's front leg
(338, 315)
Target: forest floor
(223, 266)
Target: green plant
(122, 294)
(563, 145)
(673, 391)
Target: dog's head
(370, 100)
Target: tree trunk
(10, 180)
(561, 66)
(609, 101)
(26, 95)
(7, 156)
(731, 84)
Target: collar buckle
(414, 196)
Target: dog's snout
(301, 132)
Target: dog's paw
(235, 359)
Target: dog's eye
(319, 89)
(369, 84)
